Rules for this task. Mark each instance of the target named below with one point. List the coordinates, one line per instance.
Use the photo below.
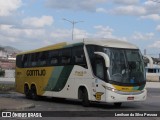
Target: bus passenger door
(99, 92)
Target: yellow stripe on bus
(125, 88)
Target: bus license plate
(130, 98)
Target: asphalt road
(152, 103)
(52, 105)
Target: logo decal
(80, 73)
(98, 95)
(36, 72)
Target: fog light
(144, 97)
(112, 97)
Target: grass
(6, 88)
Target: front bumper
(118, 96)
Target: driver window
(99, 69)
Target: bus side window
(34, 59)
(53, 57)
(79, 56)
(25, 58)
(19, 61)
(65, 56)
(43, 58)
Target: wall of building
(9, 74)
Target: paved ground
(8, 102)
(153, 85)
(12, 104)
(49, 105)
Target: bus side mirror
(106, 58)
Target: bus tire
(85, 100)
(34, 93)
(118, 104)
(27, 91)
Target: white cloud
(156, 44)
(31, 38)
(22, 38)
(10, 31)
(8, 6)
(154, 17)
(61, 34)
(150, 3)
(158, 28)
(103, 32)
(38, 22)
(140, 36)
(144, 10)
(64, 34)
(87, 5)
(80, 34)
(152, 7)
(129, 10)
(126, 2)
(100, 32)
(103, 10)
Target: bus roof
(101, 42)
(114, 43)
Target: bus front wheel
(85, 100)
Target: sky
(31, 24)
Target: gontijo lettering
(36, 72)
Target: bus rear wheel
(85, 100)
(27, 91)
(34, 92)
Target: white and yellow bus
(90, 70)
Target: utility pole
(73, 24)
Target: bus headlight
(111, 89)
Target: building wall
(7, 64)
(9, 74)
(3, 54)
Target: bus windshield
(126, 66)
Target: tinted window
(43, 57)
(59, 57)
(98, 67)
(34, 59)
(19, 61)
(25, 60)
(53, 57)
(66, 57)
(79, 56)
(151, 70)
